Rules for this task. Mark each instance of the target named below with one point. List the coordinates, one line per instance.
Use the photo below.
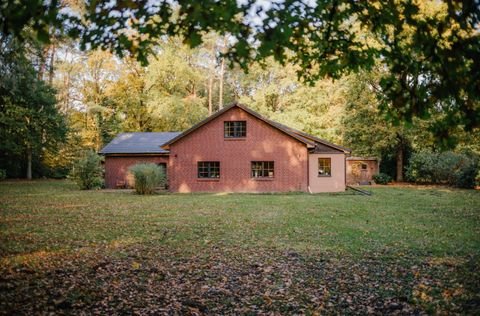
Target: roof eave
(139, 153)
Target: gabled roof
(320, 144)
(309, 140)
(139, 143)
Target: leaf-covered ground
(402, 251)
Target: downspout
(308, 173)
(345, 169)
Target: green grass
(416, 247)
(54, 215)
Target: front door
(364, 174)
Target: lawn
(401, 250)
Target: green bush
(147, 177)
(381, 178)
(464, 177)
(87, 171)
(3, 174)
(449, 168)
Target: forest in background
(59, 100)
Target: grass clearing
(398, 234)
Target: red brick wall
(116, 167)
(263, 143)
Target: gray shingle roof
(139, 143)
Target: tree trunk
(400, 163)
(222, 72)
(220, 88)
(43, 62)
(210, 85)
(52, 62)
(29, 162)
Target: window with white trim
(324, 167)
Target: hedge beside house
(449, 168)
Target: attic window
(235, 129)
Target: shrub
(464, 176)
(87, 171)
(381, 178)
(421, 167)
(3, 174)
(449, 168)
(147, 177)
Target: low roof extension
(139, 143)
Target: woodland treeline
(59, 98)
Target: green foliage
(381, 178)
(3, 174)
(87, 171)
(443, 168)
(30, 123)
(148, 176)
(429, 48)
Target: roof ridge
(246, 109)
(302, 137)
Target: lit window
(324, 167)
(263, 169)
(209, 169)
(235, 129)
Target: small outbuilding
(128, 149)
(360, 170)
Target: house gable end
(251, 113)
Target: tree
(274, 91)
(30, 123)
(368, 133)
(431, 48)
(165, 96)
(87, 171)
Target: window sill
(263, 179)
(235, 138)
(325, 176)
(208, 179)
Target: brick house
(233, 150)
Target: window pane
(209, 169)
(324, 167)
(235, 129)
(263, 169)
